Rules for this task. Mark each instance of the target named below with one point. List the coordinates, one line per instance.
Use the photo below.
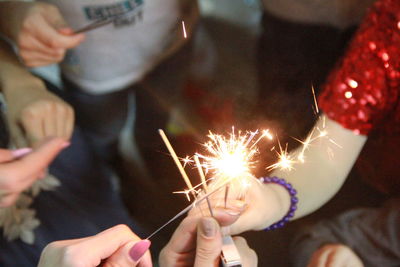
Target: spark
(306, 143)
(232, 158)
(285, 161)
(184, 29)
(186, 161)
(315, 99)
(187, 192)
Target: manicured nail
(208, 226)
(18, 153)
(65, 144)
(139, 249)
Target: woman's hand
(197, 242)
(263, 205)
(117, 246)
(38, 30)
(34, 114)
(21, 168)
(335, 255)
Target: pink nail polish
(18, 153)
(65, 144)
(138, 250)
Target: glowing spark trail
(285, 160)
(315, 100)
(184, 29)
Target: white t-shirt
(119, 54)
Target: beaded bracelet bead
(293, 200)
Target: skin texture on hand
(38, 30)
(34, 114)
(21, 168)
(112, 247)
(255, 213)
(197, 242)
(335, 255)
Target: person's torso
(121, 53)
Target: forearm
(10, 16)
(12, 72)
(325, 168)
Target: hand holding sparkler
(39, 31)
(197, 242)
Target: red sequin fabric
(362, 93)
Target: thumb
(58, 33)
(41, 157)
(209, 243)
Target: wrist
(282, 199)
(20, 80)
(286, 201)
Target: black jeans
(102, 117)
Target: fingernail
(237, 205)
(65, 144)
(138, 250)
(21, 152)
(208, 227)
(232, 212)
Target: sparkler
(176, 160)
(203, 182)
(189, 207)
(232, 158)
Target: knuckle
(60, 108)
(51, 247)
(121, 228)
(28, 114)
(54, 42)
(47, 105)
(23, 42)
(27, 24)
(71, 256)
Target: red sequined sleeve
(364, 87)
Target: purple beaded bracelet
(293, 200)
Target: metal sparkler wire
(182, 212)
